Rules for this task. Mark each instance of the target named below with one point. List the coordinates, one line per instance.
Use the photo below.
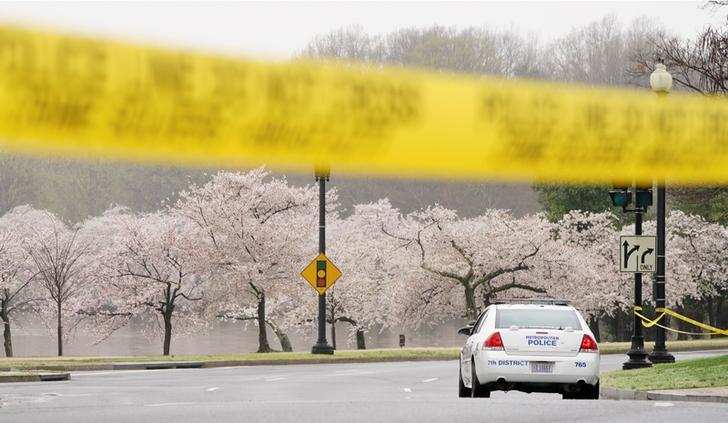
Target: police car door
(472, 342)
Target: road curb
(34, 377)
(626, 394)
(158, 365)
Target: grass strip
(373, 355)
(698, 373)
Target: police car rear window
(537, 318)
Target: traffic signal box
(320, 273)
(621, 196)
(643, 196)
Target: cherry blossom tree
(696, 261)
(260, 232)
(693, 247)
(594, 238)
(486, 256)
(16, 274)
(60, 260)
(151, 271)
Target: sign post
(321, 273)
(637, 255)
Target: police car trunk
(539, 330)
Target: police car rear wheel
(463, 391)
(477, 391)
(591, 392)
(588, 392)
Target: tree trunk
(471, 311)
(333, 334)
(282, 337)
(680, 325)
(285, 342)
(712, 318)
(615, 327)
(59, 327)
(263, 346)
(7, 337)
(360, 342)
(722, 318)
(594, 326)
(167, 316)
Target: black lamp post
(661, 82)
(322, 346)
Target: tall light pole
(322, 175)
(661, 83)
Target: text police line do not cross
(637, 254)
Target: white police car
(530, 346)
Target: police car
(530, 346)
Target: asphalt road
(373, 392)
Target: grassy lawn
(700, 373)
(393, 354)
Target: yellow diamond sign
(321, 273)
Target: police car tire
(463, 391)
(591, 392)
(477, 391)
(588, 393)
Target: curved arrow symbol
(628, 252)
(646, 253)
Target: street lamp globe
(660, 79)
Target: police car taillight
(588, 344)
(494, 342)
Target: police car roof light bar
(543, 301)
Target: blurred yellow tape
(74, 96)
(646, 322)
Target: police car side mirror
(467, 331)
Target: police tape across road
(82, 97)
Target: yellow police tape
(646, 322)
(82, 97)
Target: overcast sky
(283, 29)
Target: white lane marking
(168, 404)
(213, 389)
(430, 380)
(75, 395)
(274, 379)
(664, 404)
(407, 390)
(352, 373)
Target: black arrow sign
(628, 252)
(646, 253)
